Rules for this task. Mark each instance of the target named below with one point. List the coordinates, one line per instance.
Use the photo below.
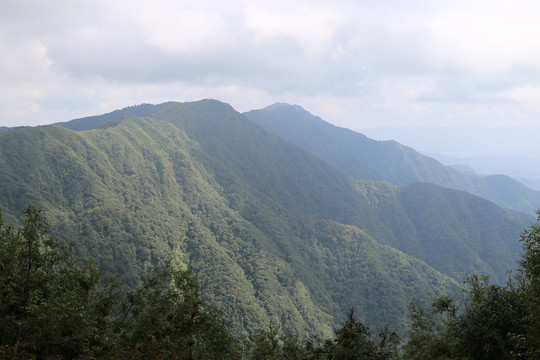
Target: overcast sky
(357, 64)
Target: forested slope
(368, 159)
(273, 233)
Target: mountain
(367, 159)
(274, 233)
(92, 122)
(516, 167)
(530, 183)
(525, 170)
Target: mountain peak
(280, 106)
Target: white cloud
(486, 37)
(352, 62)
(183, 30)
(311, 26)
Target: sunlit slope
(274, 234)
(306, 185)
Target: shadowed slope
(274, 234)
(367, 159)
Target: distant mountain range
(483, 143)
(291, 229)
(364, 158)
(525, 170)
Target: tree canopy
(55, 305)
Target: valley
(275, 231)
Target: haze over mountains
(364, 158)
(284, 218)
(489, 151)
(525, 170)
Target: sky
(365, 65)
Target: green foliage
(267, 345)
(456, 233)
(274, 234)
(168, 308)
(490, 326)
(54, 306)
(492, 317)
(530, 271)
(493, 324)
(426, 337)
(51, 304)
(445, 228)
(351, 341)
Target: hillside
(92, 122)
(274, 233)
(367, 159)
(306, 185)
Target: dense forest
(195, 206)
(56, 306)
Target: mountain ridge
(274, 233)
(368, 159)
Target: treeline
(491, 322)
(52, 305)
